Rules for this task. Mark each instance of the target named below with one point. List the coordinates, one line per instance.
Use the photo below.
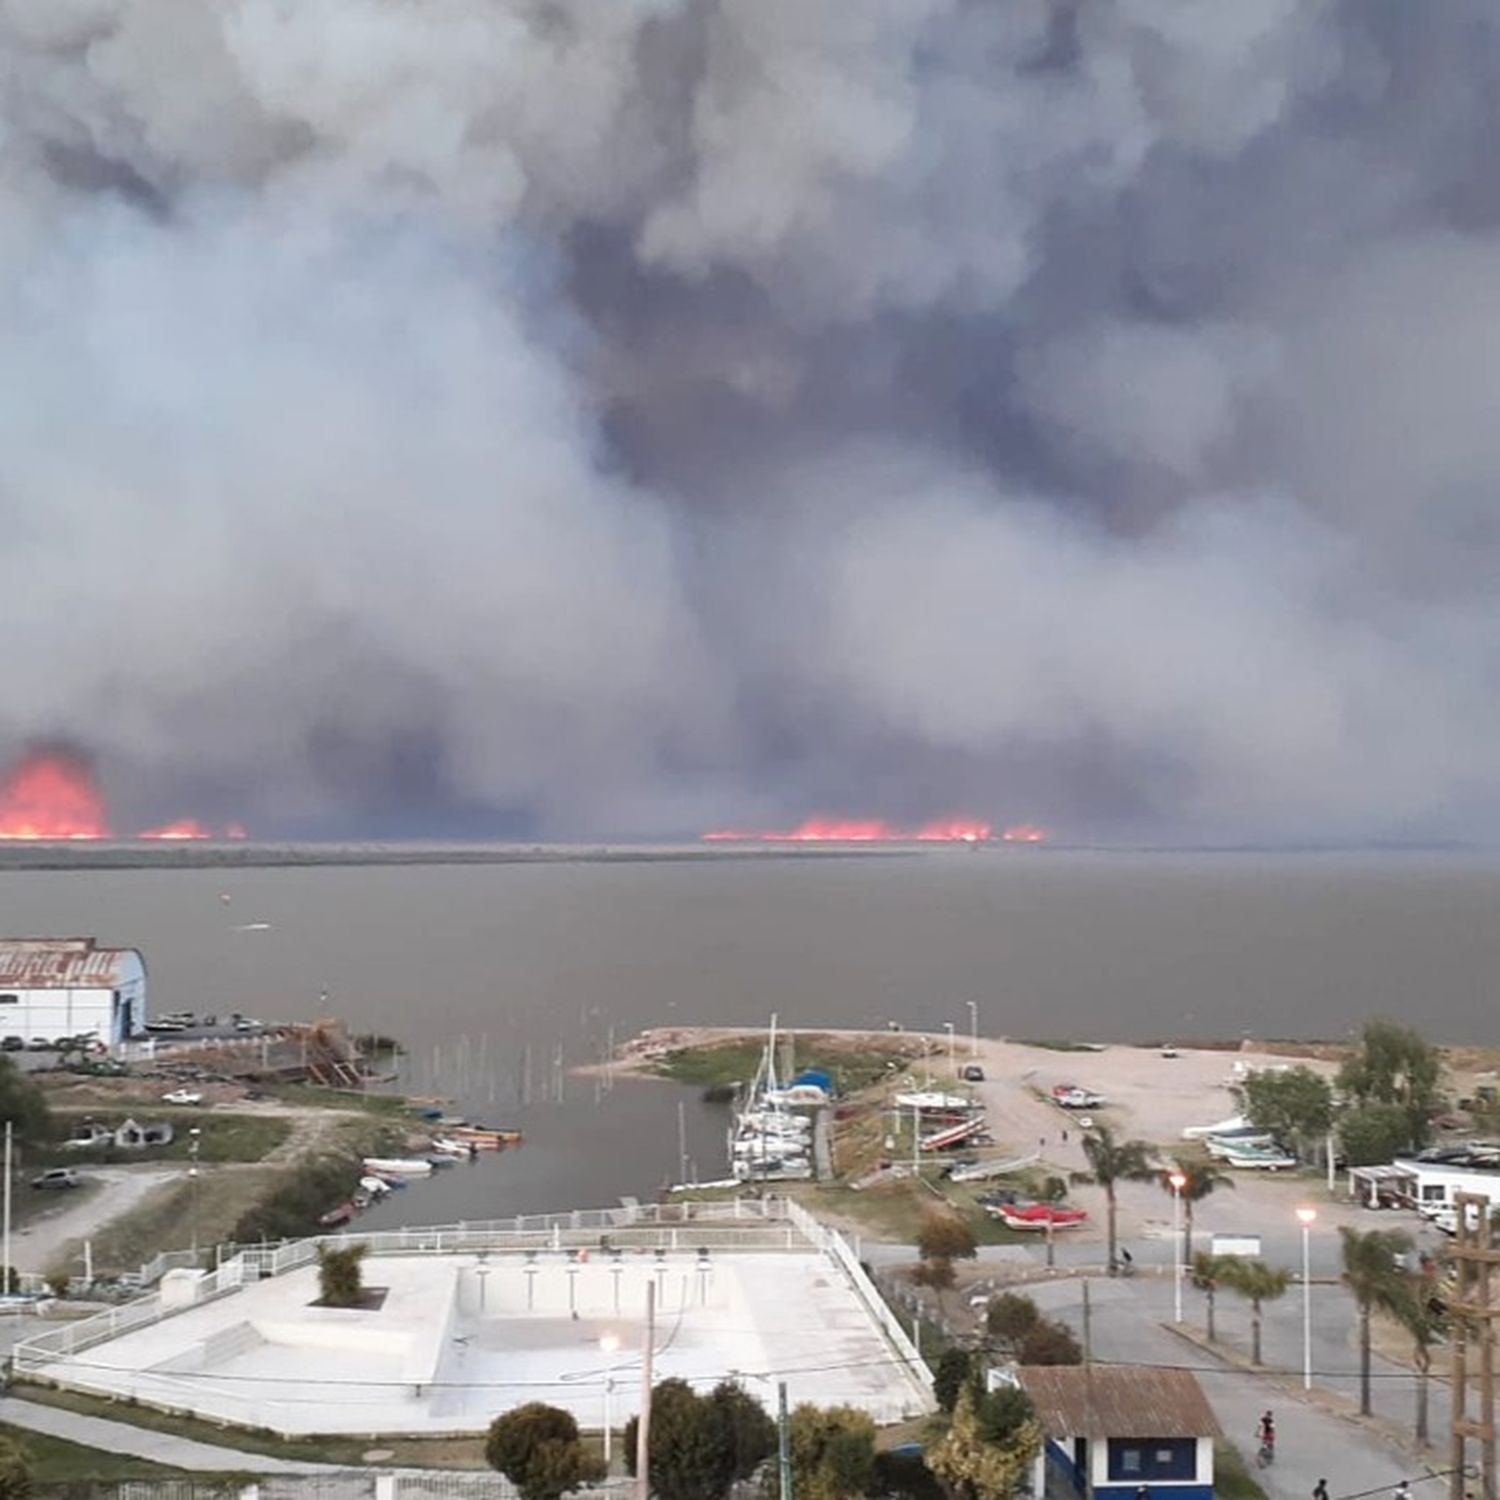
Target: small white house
(1115, 1430)
(1472, 1169)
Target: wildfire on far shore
(878, 831)
(52, 795)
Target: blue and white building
(1121, 1430)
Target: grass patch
(54, 1460)
(424, 1453)
(852, 1065)
(1232, 1480)
(309, 1096)
(222, 1138)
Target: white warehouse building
(69, 987)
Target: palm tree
(1113, 1161)
(1422, 1317)
(1258, 1283)
(1373, 1275)
(1207, 1272)
(1199, 1179)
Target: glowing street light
(609, 1343)
(1177, 1181)
(1306, 1216)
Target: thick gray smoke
(596, 417)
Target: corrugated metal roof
(1126, 1401)
(60, 964)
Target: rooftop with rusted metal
(1105, 1401)
(63, 964)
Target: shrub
(537, 1448)
(340, 1277)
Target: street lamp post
(194, 1136)
(608, 1342)
(1178, 1181)
(973, 1027)
(1305, 1217)
(948, 1027)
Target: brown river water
(490, 973)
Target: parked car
(57, 1177)
(971, 1073)
(182, 1096)
(13, 1044)
(39, 1044)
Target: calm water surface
(487, 971)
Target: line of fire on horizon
(53, 795)
(878, 831)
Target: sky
(547, 418)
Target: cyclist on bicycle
(1267, 1434)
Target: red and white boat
(1038, 1216)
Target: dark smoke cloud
(572, 418)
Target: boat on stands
(1037, 1216)
(929, 1102)
(953, 1135)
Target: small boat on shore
(338, 1216)
(398, 1166)
(486, 1137)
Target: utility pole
(643, 1427)
(5, 1255)
(1472, 1311)
(682, 1171)
(783, 1442)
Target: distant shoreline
(204, 855)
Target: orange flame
(1025, 833)
(877, 831)
(51, 794)
(188, 828)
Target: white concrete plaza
(460, 1338)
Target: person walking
(1320, 1490)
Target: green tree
(1395, 1065)
(1374, 1133)
(1009, 1317)
(1376, 1279)
(1199, 1179)
(832, 1452)
(537, 1448)
(1111, 1162)
(1295, 1104)
(749, 1430)
(700, 1445)
(15, 1472)
(23, 1104)
(1206, 1271)
(1257, 1283)
(341, 1281)
(955, 1367)
(974, 1468)
(1049, 1343)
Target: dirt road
(120, 1189)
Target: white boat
(376, 1187)
(398, 1166)
(751, 1147)
(448, 1147)
(768, 1122)
(953, 1135)
(934, 1103)
(798, 1095)
(1201, 1132)
(1264, 1159)
(787, 1169)
(1223, 1147)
